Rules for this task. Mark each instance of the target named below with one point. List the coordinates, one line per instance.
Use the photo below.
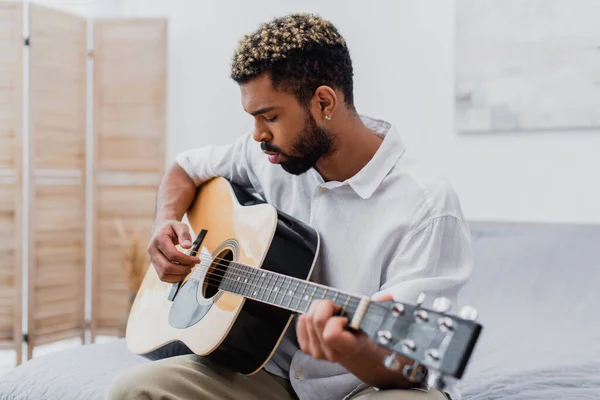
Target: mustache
(264, 146)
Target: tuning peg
(446, 324)
(420, 299)
(397, 309)
(384, 336)
(433, 355)
(442, 304)
(391, 361)
(409, 346)
(468, 313)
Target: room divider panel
(57, 162)
(129, 153)
(11, 66)
(45, 232)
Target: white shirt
(395, 227)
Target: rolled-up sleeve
(234, 161)
(435, 258)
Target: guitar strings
(290, 300)
(353, 301)
(377, 310)
(374, 317)
(254, 272)
(252, 287)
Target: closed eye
(271, 120)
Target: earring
(328, 118)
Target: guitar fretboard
(282, 291)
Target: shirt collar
(368, 179)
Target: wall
(404, 60)
(79, 7)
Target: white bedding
(567, 382)
(536, 288)
(76, 374)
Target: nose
(261, 133)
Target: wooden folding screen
(58, 67)
(11, 65)
(129, 156)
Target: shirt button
(322, 189)
(297, 375)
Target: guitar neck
(283, 291)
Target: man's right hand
(171, 264)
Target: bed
(535, 287)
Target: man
(389, 227)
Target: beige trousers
(190, 377)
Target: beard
(311, 144)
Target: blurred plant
(135, 265)
(135, 258)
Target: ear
(326, 102)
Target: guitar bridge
(195, 247)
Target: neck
(283, 291)
(355, 146)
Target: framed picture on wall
(527, 65)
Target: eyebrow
(262, 110)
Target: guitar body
(229, 329)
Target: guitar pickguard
(186, 311)
(190, 305)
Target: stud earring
(328, 118)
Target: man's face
(287, 132)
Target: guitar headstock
(441, 342)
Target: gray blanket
(567, 382)
(75, 374)
(536, 288)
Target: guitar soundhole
(215, 273)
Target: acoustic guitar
(256, 261)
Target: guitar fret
(324, 294)
(286, 290)
(276, 290)
(235, 279)
(302, 306)
(273, 290)
(345, 305)
(242, 286)
(311, 298)
(233, 285)
(293, 294)
(301, 295)
(266, 286)
(249, 283)
(239, 286)
(255, 288)
(224, 284)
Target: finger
(302, 335)
(168, 249)
(321, 313)
(316, 344)
(183, 235)
(168, 268)
(383, 297)
(338, 340)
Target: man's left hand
(322, 334)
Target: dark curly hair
(301, 52)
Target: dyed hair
(300, 52)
